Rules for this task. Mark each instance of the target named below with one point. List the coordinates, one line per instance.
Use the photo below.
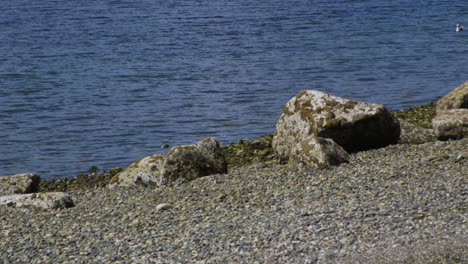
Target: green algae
(245, 152)
(80, 183)
(419, 115)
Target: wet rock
(413, 134)
(19, 183)
(52, 200)
(457, 98)
(181, 164)
(316, 152)
(353, 125)
(451, 124)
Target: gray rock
(353, 125)
(316, 152)
(19, 183)
(52, 200)
(186, 163)
(143, 171)
(181, 164)
(457, 98)
(412, 134)
(451, 124)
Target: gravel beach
(386, 199)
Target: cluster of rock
(317, 130)
(451, 121)
(19, 190)
(181, 164)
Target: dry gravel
(387, 198)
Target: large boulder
(316, 152)
(413, 134)
(451, 124)
(353, 125)
(457, 98)
(181, 164)
(51, 200)
(19, 183)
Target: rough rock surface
(19, 183)
(457, 98)
(52, 200)
(186, 163)
(451, 124)
(413, 134)
(181, 164)
(143, 171)
(353, 125)
(316, 152)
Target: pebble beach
(401, 198)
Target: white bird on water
(459, 28)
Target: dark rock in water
(93, 170)
(353, 125)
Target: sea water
(104, 83)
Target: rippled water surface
(104, 83)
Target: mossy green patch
(81, 183)
(245, 152)
(419, 115)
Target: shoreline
(404, 203)
(240, 153)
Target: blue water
(104, 83)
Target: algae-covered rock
(451, 124)
(186, 163)
(181, 164)
(353, 125)
(144, 171)
(457, 98)
(19, 183)
(50, 200)
(316, 152)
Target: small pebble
(163, 207)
